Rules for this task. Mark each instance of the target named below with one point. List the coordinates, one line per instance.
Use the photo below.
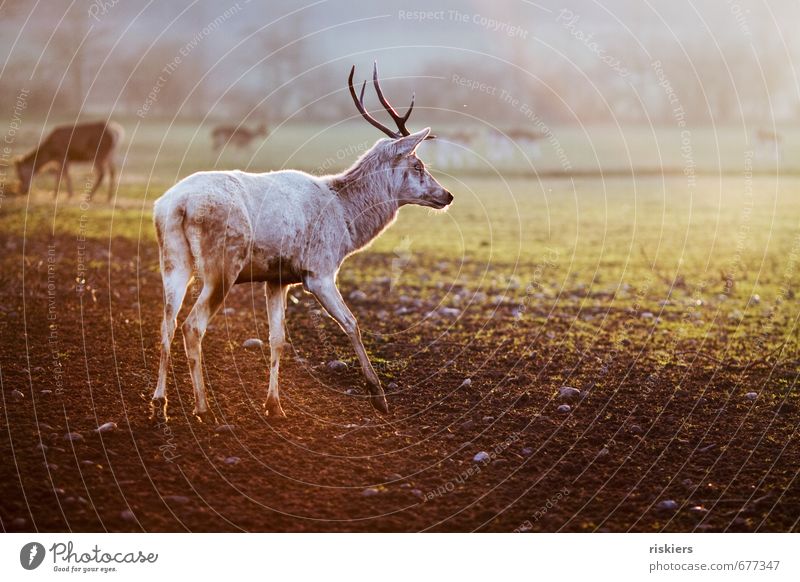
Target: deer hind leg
(112, 179)
(276, 313)
(176, 274)
(325, 291)
(219, 262)
(100, 173)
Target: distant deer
(238, 136)
(452, 149)
(283, 228)
(93, 142)
(769, 142)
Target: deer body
(282, 228)
(93, 142)
(238, 136)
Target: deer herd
(281, 228)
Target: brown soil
(643, 433)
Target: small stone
(127, 515)
(391, 386)
(253, 344)
(481, 457)
(488, 419)
(466, 383)
(70, 500)
(351, 391)
(751, 395)
(369, 492)
(755, 299)
(19, 522)
(635, 429)
(647, 315)
(45, 392)
(107, 427)
(698, 509)
(232, 460)
(417, 493)
(564, 408)
(526, 452)
(667, 505)
(225, 428)
(87, 462)
(17, 395)
(568, 392)
(74, 437)
(449, 312)
(337, 365)
(358, 296)
(179, 499)
(228, 311)
(688, 483)
(603, 452)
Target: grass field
(668, 300)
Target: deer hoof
(274, 410)
(158, 409)
(378, 402)
(205, 417)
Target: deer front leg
(276, 314)
(325, 291)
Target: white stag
(283, 228)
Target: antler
(400, 120)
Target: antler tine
(399, 120)
(359, 102)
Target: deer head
(413, 184)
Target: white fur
(283, 228)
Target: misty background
(571, 61)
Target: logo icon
(31, 555)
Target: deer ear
(406, 145)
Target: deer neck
(366, 195)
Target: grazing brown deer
(238, 136)
(92, 142)
(283, 228)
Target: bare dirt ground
(644, 430)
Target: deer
(283, 228)
(238, 136)
(769, 142)
(93, 142)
